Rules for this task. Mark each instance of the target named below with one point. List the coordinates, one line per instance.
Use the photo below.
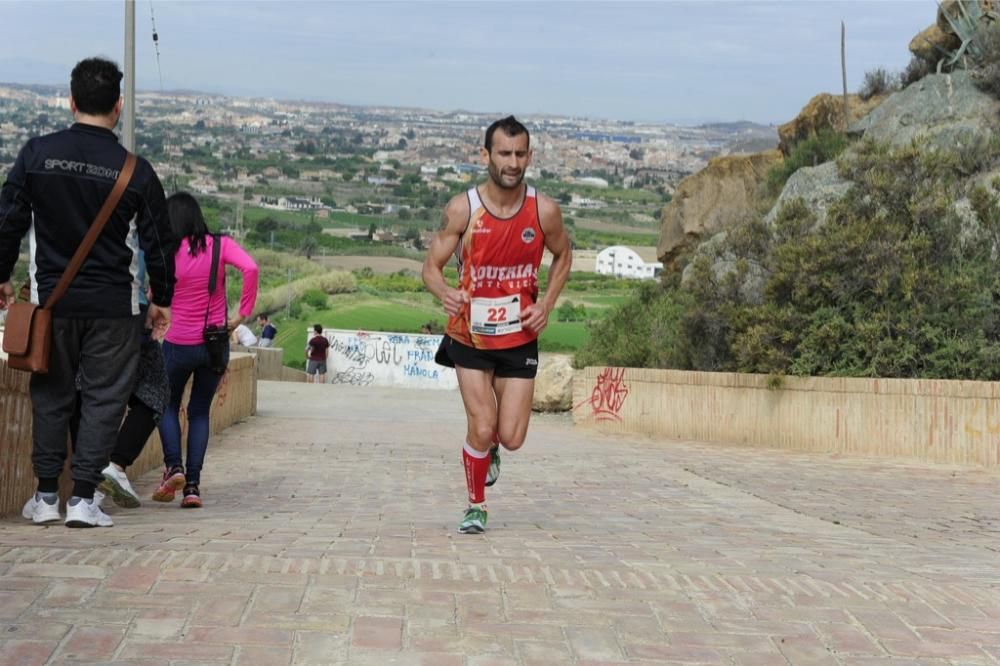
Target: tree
(308, 246)
(405, 214)
(564, 197)
(371, 231)
(266, 225)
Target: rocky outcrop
(931, 43)
(818, 187)
(946, 110)
(752, 276)
(554, 383)
(712, 200)
(938, 39)
(824, 111)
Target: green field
(404, 314)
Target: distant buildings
(625, 262)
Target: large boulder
(824, 111)
(712, 200)
(554, 383)
(932, 43)
(951, 9)
(946, 110)
(818, 187)
(751, 274)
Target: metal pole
(128, 125)
(843, 72)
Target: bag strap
(213, 271)
(124, 176)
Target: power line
(156, 43)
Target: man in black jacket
(52, 194)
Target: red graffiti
(609, 394)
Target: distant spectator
(316, 352)
(242, 335)
(267, 331)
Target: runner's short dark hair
(510, 126)
(318, 328)
(96, 86)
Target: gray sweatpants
(105, 351)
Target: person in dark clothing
(52, 194)
(267, 331)
(316, 352)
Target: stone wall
(236, 399)
(939, 421)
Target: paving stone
(377, 632)
(335, 544)
(26, 653)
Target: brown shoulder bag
(27, 336)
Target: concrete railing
(235, 400)
(940, 421)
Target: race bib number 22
(496, 316)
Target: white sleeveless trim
(475, 203)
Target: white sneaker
(86, 513)
(117, 485)
(37, 511)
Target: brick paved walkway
(328, 537)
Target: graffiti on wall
(608, 396)
(363, 358)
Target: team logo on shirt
(528, 235)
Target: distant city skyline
(680, 62)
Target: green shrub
(877, 82)
(640, 333)
(315, 298)
(986, 74)
(276, 298)
(823, 147)
(894, 284)
(917, 69)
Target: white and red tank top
(498, 261)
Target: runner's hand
(454, 301)
(234, 321)
(158, 321)
(6, 295)
(535, 317)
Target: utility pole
(239, 214)
(288, 308)
(128, 125)
(843, 72)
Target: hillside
(861, 249)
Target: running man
(498, 231)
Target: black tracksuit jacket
(52, 194)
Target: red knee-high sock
(477, 464)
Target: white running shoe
(117, 485)
(86, 513)
(39, 511)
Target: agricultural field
(406, 312)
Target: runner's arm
(453, 223)
(536, 317)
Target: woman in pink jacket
(185, 351)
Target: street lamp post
(128, 124)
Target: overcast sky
(680, 62)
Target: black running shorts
(521, 362)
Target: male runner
(498, 231)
